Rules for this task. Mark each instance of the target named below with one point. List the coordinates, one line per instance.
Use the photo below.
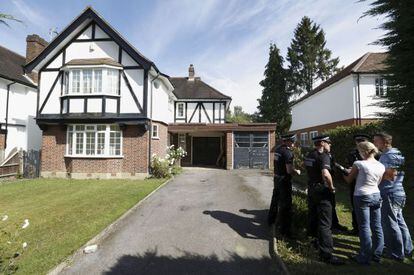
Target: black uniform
(282, 191)
(320, 202)
(351, 158)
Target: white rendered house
(351, 97)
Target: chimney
(34, 46)
(191, 72)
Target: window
(88, 81)
(154, 133)
(94, 140)
(380, 86)
(304, 140)
(313, 134)
(182, 141)
(180, 109)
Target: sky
(226, 40)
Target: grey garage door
(251, 150)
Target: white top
(369, 176)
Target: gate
(251, 150)
(31, 164)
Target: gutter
(150, 122)
(7, 112)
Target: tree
(274, 103)
(309, 59)
(399, 41)
(238, 116)
(7, 17)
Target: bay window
(94, 140)
(91, 81)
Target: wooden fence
(21, 164)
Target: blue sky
(227, 41)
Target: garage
(251, 150)
(206, 150)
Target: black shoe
(356, 260)
(333, 261)
(340, 228)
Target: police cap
(321, 138)
(289, 137)
(361, 137)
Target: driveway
(205, 221)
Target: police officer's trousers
(321, 203)
(281, 204)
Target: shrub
(160, 168)
(165, 168)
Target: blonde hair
(366, 149)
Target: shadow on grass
(151, 263)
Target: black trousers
(320, 223)
(281, 204)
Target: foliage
(7, 17)
(11, 245)
(309, 59)
(298, 157)
(273, 105)
(343, 141)
(399, 41)
(238, 116)
(65, 214)
(165, 168)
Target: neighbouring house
(105, 109)
(350, 97)
(18, 94)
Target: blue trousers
(368, 214)
(397, 236)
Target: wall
(159, 145)
(134, 163)
(369, 109)
(213, 112)
(334, 103)
(163, 109)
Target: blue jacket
(392, 158)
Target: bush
(165, 168)
(160, 168)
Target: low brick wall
(133, 164)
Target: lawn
(301, 258)
(64, 214)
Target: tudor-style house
(104, 109)
(351, 97)
(18, 93)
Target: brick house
(104, 109)
(350, 97)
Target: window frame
(313, 134)
(304, 142)
(157, 136)
(380, 86)
(81, 130)
(178, 109)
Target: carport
(226, 145)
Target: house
(350, 97)
(18, 93)
(105, 109)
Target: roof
(195, 89)
(11, 67)
(366, 64)
(94, 61)
(90, 15)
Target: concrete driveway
(205, 221)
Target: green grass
(65, 214)
(301, 258)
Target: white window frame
(182, 143)
(155, 133)
(105, 87)
(313, 134)
(304, 139)
(380, 86)
(178, 110)
(72, 131)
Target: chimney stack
(191, 72)
(34, 46)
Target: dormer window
(91, 81)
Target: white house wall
(163, 110)
(334, 103)
(369, 100)
(213, 112)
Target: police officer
(353, 156)
(320, 192)
(282, 192)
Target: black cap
(289, 137)
(321, 138)
(361, 137)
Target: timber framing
(133, 94)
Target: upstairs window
(180, 110)
(91, 81)
(380, 86)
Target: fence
(21, 164)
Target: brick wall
(272, 146)
(2, 136)
(159, 145)
(229, 150)
(133, 163)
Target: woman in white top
(367, 201)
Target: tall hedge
(343, 141)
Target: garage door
(251, 150)
(206, 150)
